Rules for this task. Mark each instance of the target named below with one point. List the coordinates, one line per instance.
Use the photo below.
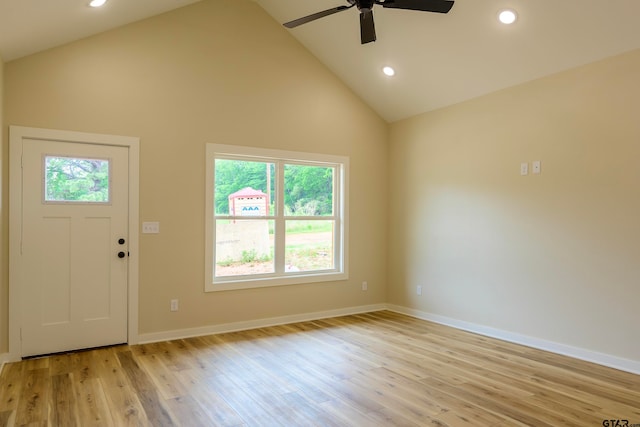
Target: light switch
(524, 168)
(150, 227)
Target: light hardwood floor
(376, 369)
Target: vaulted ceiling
(440, 59)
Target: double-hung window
(274, 217)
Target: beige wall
(218, 71)
(4, 273)
(553, 256)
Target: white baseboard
(627, 365)
(253, 324)
(4, 358)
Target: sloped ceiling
(439, 59)
(445, 59)
(30, 26)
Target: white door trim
(16, 136)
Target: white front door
(74, 246)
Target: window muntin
(274, 217)
(76, 180)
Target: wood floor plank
(59, 364)
(146, 392)
(350, 416)
(187, 408)
(33, 403)
(82, 365)
(177, 356)
(411, 407)
(12, 384)
(138, 378)
(155, 409)
(510, 410)
(93, 409)
(216, 408)
(64, 408)
(125, 407)
(371, 369)
(296, 376)
(200, 358)
(441, 403)
(108, 367)
(164, 379)
(276, 407)
(308, 411)
(242, 403)
(36, 363)
(251, 374)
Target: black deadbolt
(121, 241)
(121, 254)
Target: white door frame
(17, 134)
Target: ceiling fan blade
(439, 6)
(367, 27)
(314, 16)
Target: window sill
(248, 283)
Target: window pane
(244, 247)
(70, 179)
(244, 188)
(309, 245)
(308, 190)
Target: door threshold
(80, 350)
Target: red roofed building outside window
(248, 202)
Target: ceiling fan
(367, 27)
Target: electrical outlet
(524, 168)
(419, 290)
(365, 286)
(174, 305)
(535, 165)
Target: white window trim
(340, 273)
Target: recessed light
(507, 16)
(388, 71)
(97, 3)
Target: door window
(72, 179)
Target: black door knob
(121, 254)
(121, 241)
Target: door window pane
(71, 179)
(309, 245)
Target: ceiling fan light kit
(365, 7)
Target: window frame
(280, 158)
